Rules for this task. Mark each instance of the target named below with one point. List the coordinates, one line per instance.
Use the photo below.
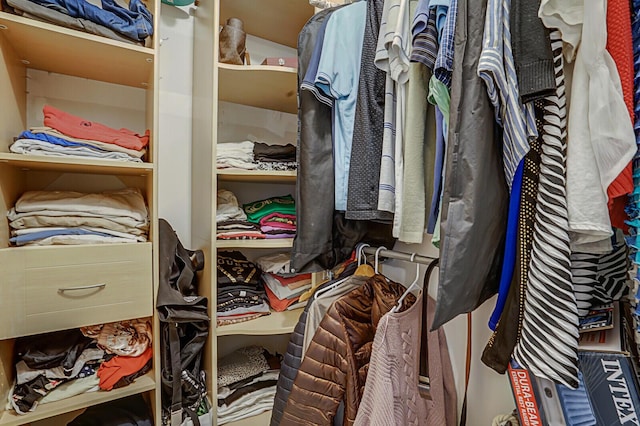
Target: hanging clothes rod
(393, 254)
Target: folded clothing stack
(283, 287)
(250, 155)
(241, 295)
(247, 380)
(275, 157)
(54, 366)
(278, 225)
(231, 220)
(276, 216)
(277, 263)
(66, 135)
(283, 292)
(132, 24)
(66, 217)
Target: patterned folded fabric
(241, 364)
(235, 269)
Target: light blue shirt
(338, 77)
(442, 7)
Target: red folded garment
(294, 282)
(279, 305)
(248, 235)
(275, 227)
(620, 46)
(79, 128)
(110, 372)
(284, 219)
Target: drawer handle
(82, 287)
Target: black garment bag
(184, 328)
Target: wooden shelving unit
(271, 91)
(255, 244)
(48, 47)
(233, 175)
(275, 323)
(77, 165)
(261, 86)
(84, 62)
(43, 411)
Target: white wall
(174, 156)
(489, 392)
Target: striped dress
(548, 345)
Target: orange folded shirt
(79, 128)
(279, 305)
(110, 372)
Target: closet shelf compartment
(262, 86)
(49, 47)
(255, 244)
(257, 420)
(278, 20)
(231, 175)
(142, 384)
(276, 323)
(100, 283)
(76, 165)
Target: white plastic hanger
(328, 289)
(411, 287)
(377, 259)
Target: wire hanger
(327, 289)
(376, 258)
(411, 286)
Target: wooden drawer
(55, 288)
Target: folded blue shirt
(21, 240)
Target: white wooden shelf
(262, 419)
(239, 175)
(73, 164)
(262, 86)
(49, 47)
(280, 21)
(255, 244)
(276, 323)
(43, 411)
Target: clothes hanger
(410, 287)
(376, 258)
(364, 269)
(326, 290)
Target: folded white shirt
(246, 402)
(126, 202)
(27, 222)
(227, 207)
(98, 144)
(17, 217)
(139, 238)
(37, 147)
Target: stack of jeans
(133, 24)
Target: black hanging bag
(184, 329)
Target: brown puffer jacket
(335, 365)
